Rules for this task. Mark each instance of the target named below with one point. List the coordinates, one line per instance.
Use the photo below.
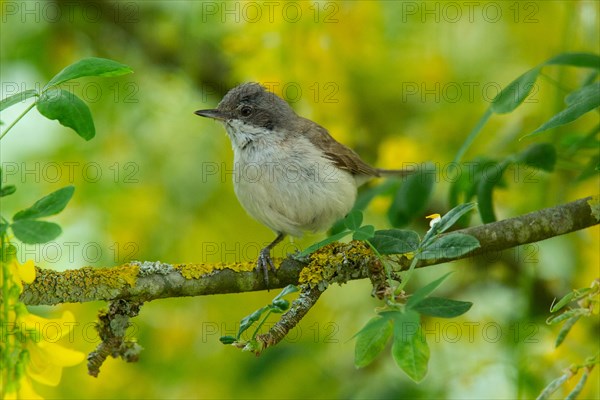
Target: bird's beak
(214, 114)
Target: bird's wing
(342, 156)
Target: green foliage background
(398, 81)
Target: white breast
(292, 190)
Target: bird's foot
(265, 263)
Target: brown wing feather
(342, 156)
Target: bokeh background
(398, 81)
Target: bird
(290, 174)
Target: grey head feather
(264, 109)
(267, 110)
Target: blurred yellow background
(398, 81)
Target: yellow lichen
(193, 271)
(313, 273)
(111, 277)
(241, 266)
(196, 271)
(336, 262)
(130, 273)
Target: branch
(300, 307)
(111, 327)
(145, 281)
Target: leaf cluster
(26, 224)
(277, 306)
(488, 172)
(58, 104)
(409, 345)
(586, 305)
(402, 320)
(65, 107)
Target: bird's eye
(246, 111)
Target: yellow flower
(31, 341)
(47, 361)
(19, 273)
(24, 391)
(46, 358)
(435, 218)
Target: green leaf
(586, 60)
(442, 307)
(333, 238)
(69, 110)
(91, 66)
(564, 331)
(248, 320)
(412, 197)
(464, 188)
(406, 323)
(562, 302)
(7, 190)
(485, 191)
(35, 232)
(353, 220)
(515, 93)
(590, 77)
(448, 220)
(540, 156)
(371, 340)
(51, 204)
(451, 245)
(3, 228)
(280, 305)
(555, 319)
(583, 101)
(17, 98)
(285, 291)
(395, 241)
(227, 339)
(511, 96)
(590, 90)
(364, 232)
(425, 291)
(574, 394)
(575, 295)
(412, 355)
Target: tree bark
(145, 281)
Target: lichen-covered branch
(145, 281)
(325, 268)
(112, 326)
(532, 227)
(308, 298)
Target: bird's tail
(396, 173)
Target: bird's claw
(265, 263)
